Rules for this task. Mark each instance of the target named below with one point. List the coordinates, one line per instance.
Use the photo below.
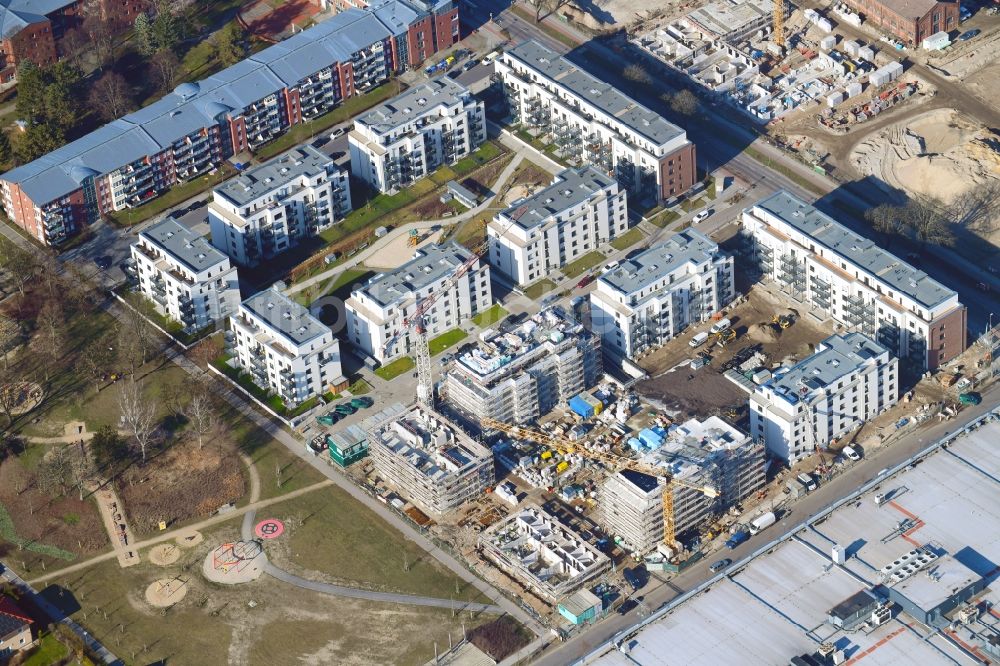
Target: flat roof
(416, 102)
(581, 601)
(647, 483)
(687, 247)
(896, 273)
(186, 247)
(836, 357)
(430, 265)
(285, 316)
(912, 9)
(727, 16)
(930, 588)
(571, 187)
(252, 184)
(605, 97)
(854, 604)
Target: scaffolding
(792, 274)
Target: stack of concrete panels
(828, 42)
(854, 89)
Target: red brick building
(912, 21)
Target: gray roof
(287, 167)
(571, 187)
(285, 316)
(414, 103)
(893, 271)
(431, 264)
(643, 270)
(836, 357)
(185, 246)
(911, 9)
(609, 99)
(193, 106)
(725, 16)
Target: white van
(720, 326)
(490, 57)
(699, 339)
(851, 453)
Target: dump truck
(762, 522)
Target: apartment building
(597, 123)
(411, 135)
(652, 297)
(848, 380)
(184, 277)
(193, 129)
(821, 263)
(377, 310)
(284, 349)
(518, 373)
(912, 21)
(429, 460)
(579, 211)
(709, 453)
(270, 208)
(422, 28)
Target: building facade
(848, 380)
(15, 629)
(651, 298)
(284, 349)
(912, 21)
(376, 311)
(199, 125)
(520, 373)
(270, 208)
(429, 460)
(596, 123)
(582, 209)
(184, 277)
(819, 262)
(408, 137)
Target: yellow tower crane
(616, 462)
(779, 23)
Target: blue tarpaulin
(581, 407)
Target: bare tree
(977, 209)
(11, 381)
(51, 336)
(544, 7)
(96, 359)
(75, 45)
(927, 222)
(82, 469)
(20, 265)
(99, 27)
(683, 102)
(55, 470)
(111, 96)
(886, 219)
(200, 410)
(138, 327)
(636, 73)
(138, 415)
(163, 67)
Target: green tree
(145, 40)
(37, 140)
(6, 151)
(166, 27)
(229, 44)
(108, 447)
(30, 91)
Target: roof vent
(422, 101)
(270, 305)
(407, 109)
(201, 255)
(287, 316)
(284, 170)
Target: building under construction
(429, 460)
(709, 453)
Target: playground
(22, 397)
(235, 562)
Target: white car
(702, 216)
(337, 132)
(612, 266)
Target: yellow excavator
(783, 321)
(723, 338)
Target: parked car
(702, 216)
(851, 453)
(970, 398)
(584, 281)
(719, 565)
(337, 132)
(737, 538)
(612, 266)
(470, 64)
(627, 606)
(103, 262)
(969, 34)
(345, 408)
(362, 402)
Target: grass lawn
(396, 368)
(711, 190)
(665, 218)
(49, 651)
(692, 204)
(445, 340)
(583, 264)
(539, 289)
(628, 239)
(791, 174)
(377, 207)
(485, 153)
(490, 317)
(360, 387)
(175, 195)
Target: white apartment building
(270, 208)
(376, 310)
(184, 277)
(848, 380)
(596, 123)
(405, 139)
(818, 261)
(284, 349)
(652, 297)
(579, 211)
(519, 373)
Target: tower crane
(779, 23)
(616, 462)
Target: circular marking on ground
(164, 554)
(166, 591)
(189, 538)
(269, 529)
(235, 562)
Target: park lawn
(489, 317)
(583, 264)
(628, 239)
(375, 208)
(396, 368)
(445, 340)
(172, 197)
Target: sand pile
(764, 333)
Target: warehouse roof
(252, 184)
(429, 266)
(913, 9)
(418, 101)
(570, 188)
(636, 274)
(183, 245)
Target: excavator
(783, 321)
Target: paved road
(658, 593)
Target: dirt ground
(399, 251)
(676, 388)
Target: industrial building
(819, 262)
(540, 552)
(376, 310)
(848, 380)
(405, 139)
(732, 20)
(271, 208)
(912, 21)
(901, 575)
(284, 349)
(429, 460)
(184, 277)
(193, 129)
(519, 373)
(652, 297)
(581, 210)
(709, 453)
(596, 123)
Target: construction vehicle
(723, 338)
(614, 462)
(783, 321)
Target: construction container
(879, 77)
(867, 53)
(851, 48)
(936, 42)
(834, 99)
(562, 467)
(853, 89)
(811, 15)
(579, 406)
(895, 70)
(825, 25)
(828, 42)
